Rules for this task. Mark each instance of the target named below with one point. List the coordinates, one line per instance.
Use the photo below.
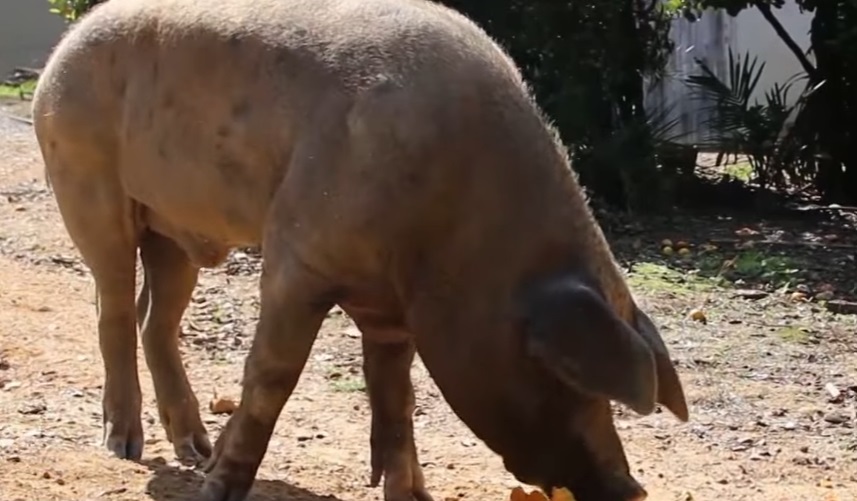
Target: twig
(16, 118)
(782, 243)
(807, 208)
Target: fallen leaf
(562, 494)
(746, 232)
(833, 391)
(519, 494)
(352, 332)
(797, 297)
(222, 405)
(697, 315)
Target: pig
(388, 157)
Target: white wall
(750, 31)
(709, 39)
(28, 31)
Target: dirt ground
(771, 375)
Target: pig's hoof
(224, 485)
(225, 479)
(193, 449)
(215, 490)
(401, 483)
(418, 494)
(185, 430)
(124, 439)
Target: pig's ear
(670, 392)
(577, 336)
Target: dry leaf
(221, 405)
(562, 495)
(833, 391)
(697, 315)
(798, 297)
(519, 494)
(745, 232)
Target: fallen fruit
(684, 251)
(667, 242)
(681, 244)
(667, 250)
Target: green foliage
(823, 133)
(71, 10)
(756, 129)
(693, 8)
(586, 61)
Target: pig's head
(583, 356)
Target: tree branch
(765, 9)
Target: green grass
(348, 385)
(702, 272)
(656, 277)
(793, 335)
(754, 265)
(18, 91)
(741, 171)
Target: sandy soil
(763, 427)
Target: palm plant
(756, 129)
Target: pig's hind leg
(387, 370)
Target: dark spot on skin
(414, 179)
(230, 169)
(162, 152)
(241, 109)
(168, 100)
(234, 217)
(224, 131)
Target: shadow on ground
(812, 254)
(174, 483)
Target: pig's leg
(294, 304)
(98, 217)
(387, 370)
(170, 280)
